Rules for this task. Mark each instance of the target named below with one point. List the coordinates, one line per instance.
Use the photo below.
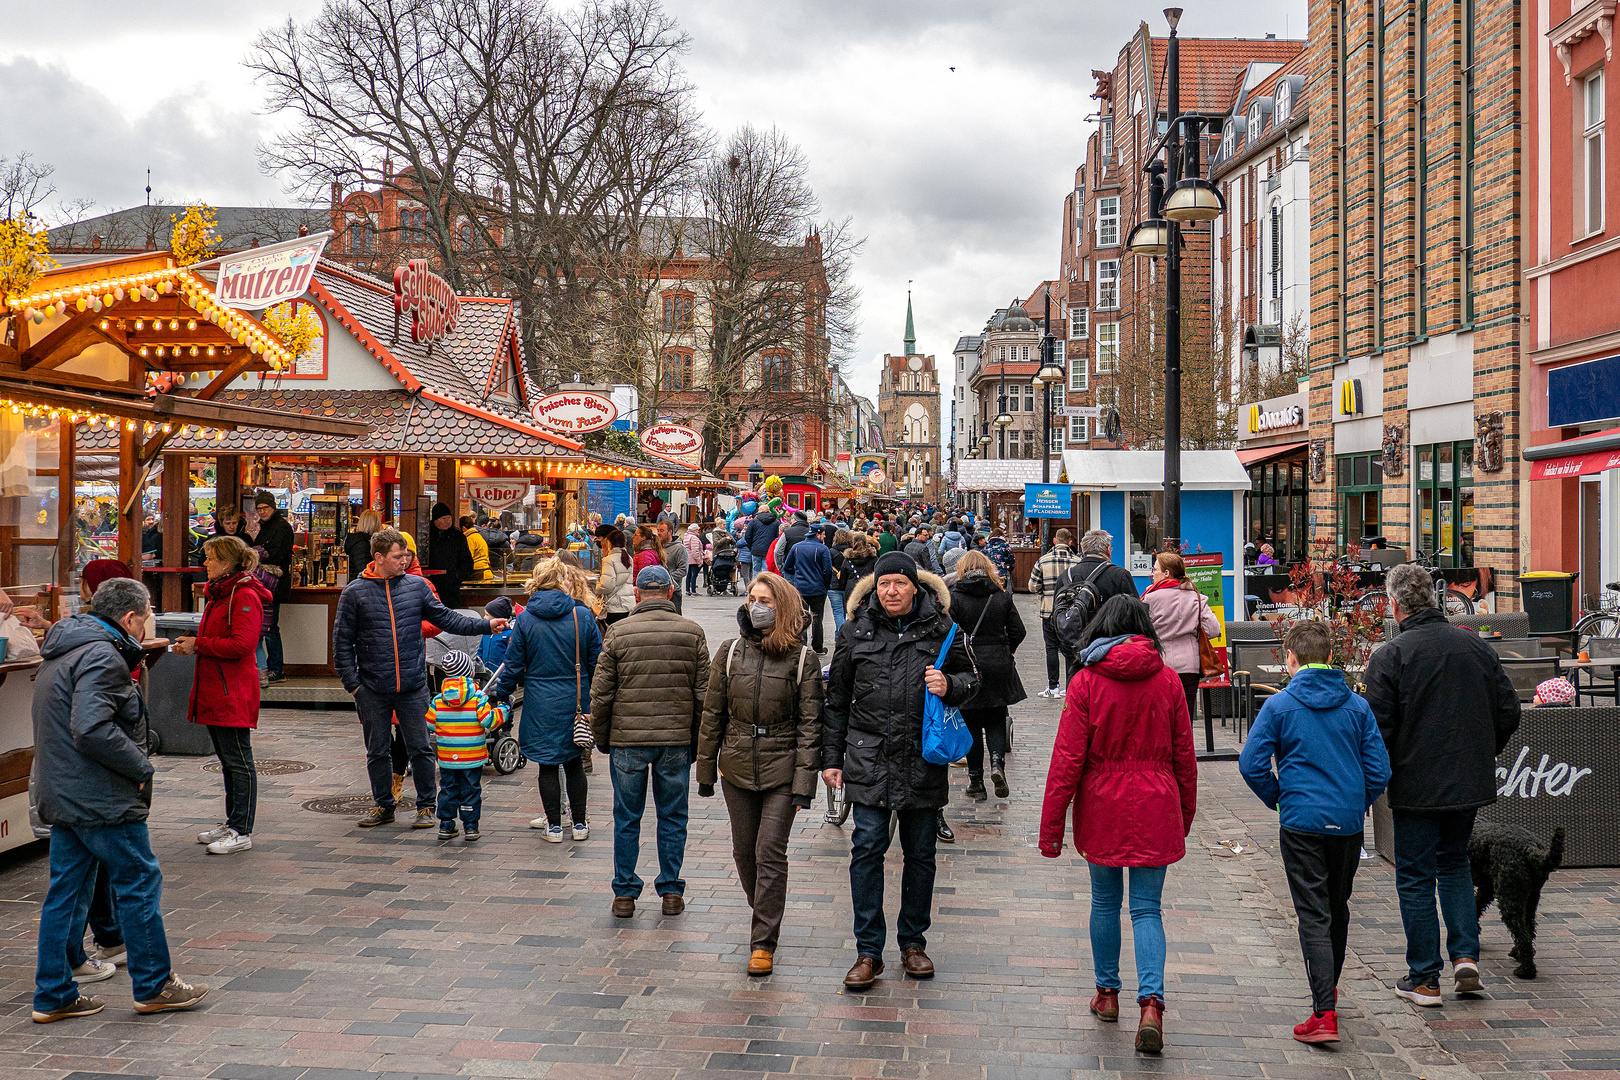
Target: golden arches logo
(1350, 397)
(1254, 419)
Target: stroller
(722, 573)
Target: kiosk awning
(1260, 454)
(1143, 470)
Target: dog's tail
(1555, 850)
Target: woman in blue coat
(553, 653)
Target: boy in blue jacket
(1330, 765)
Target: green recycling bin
(1549, 600)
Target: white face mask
(762, 616)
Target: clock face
(915, 363)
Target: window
(1079, 429)
(1445, 492)
(1360, 479)
(1285, 102)
(778, 371)
(1014, 444)
(1108, 221)
(1029, 399)
(1144, 529)
(361, 235)
(1107, 284)
(1107, 348)
(1592, 151)
(775, 440)
(1057, 398)
(464, 235)
(1079, 323)
(1254, 123)
(677, 311)
(1229, 140)
(677, 370)
(1058, 351)
(1012, 400)
(1026, 353)
(1079, 374)
(1276, 263)
(1105, 137)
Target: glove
(706, 790)
(801, 802)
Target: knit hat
(440, 510)
(457, 664)
(264, 498)
(653, 577)
(98, 570)
(1556, 692)
(499, 608)
(895, 562)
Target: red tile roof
(1210, 67)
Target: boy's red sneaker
(1320, 1028)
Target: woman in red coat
(1124, 757)
(225, 688)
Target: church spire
(911, 329)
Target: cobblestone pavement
(339, 953)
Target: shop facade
(1272, 447)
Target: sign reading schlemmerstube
(1048, 500)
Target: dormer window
(1254, 123)
(1229, 140)
(1285, 102)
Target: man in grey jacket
(93, 783)
(676, 558)
(646, 707)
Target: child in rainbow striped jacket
(462, 718)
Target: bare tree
(1136, 386)
(25, 184)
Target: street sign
(1048, 500)
(1090, 411)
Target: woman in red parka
(225, 689)
(1124, 757)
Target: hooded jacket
(478, 547)
(1124, 758)
(462, 718)
(1000, 632)
(377, 637)
(761, 534)
(90, 766)
(1331, 761)
(225, 688)
(651, 680)
(761, 716)
(873, 719)
(540, 658)
(1446, 709)
(809, 567)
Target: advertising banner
(264, 276)
(1204, 571)
(1048, 501)
(574, 412)
(671, 441)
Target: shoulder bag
(945, 736)
(1211, 664)
(582, 722)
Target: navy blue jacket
(377, 638)
(1331, 761)
(809, 567)
(761, 534)
(90, 764)
(540, 656)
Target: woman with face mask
(762, 729)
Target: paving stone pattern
(338, 953)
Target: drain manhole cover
(352, 804)
(266, 766)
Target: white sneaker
(539, 822)
(110, 954)
(582, 830)
(554, 834)
(93, 970)
(230, 843)
(216, 833)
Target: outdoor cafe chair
(1528, 672)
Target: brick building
(1009, 354)
(1571, 328)
(1414, 263)
(908, 403)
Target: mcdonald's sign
(1351, 402)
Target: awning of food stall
(1260, 454)
(1001, 474)
(1143, 470)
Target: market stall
(997, 485)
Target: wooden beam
(227, 480)
(227, 375)
(129, 477)
(67, 509)
(176, 524)
(53, 342)
(410, 486)
(228, 415)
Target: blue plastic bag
(945, 737)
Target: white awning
(1143, 470)
(1001, 474)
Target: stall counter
(16, 749)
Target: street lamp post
(1050, 372)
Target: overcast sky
(955, 178)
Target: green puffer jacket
(762, 719)
(650, 680)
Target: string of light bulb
(95, 420)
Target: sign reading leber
(574, 412)
(500, 494)
(262, 277)
(671, 440)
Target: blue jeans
(918, 836)
(693, 572)
(137, 883)
(460, 790)
(377, 713)
(1431, 852)
(835, 600)
(671, 768)
(1147, 927)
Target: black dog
(1510, 867)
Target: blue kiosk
(1125, 489)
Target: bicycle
(1602, 623)
(1454, 602)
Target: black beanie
(895, 562)
(440, 510)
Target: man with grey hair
(1446, 709)
(1096, 564)
(93, 785)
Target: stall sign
(874, 476)
(433, 305)
(574, 412)
(671, 440)
(1048, 500)
(500, 494)
(260, 277)
(1090, 412)
(1204, 570)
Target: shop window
(1144, 529)
(30, 448)
(677, 311)
(1361, 481)
(1445, 503)
(776, 440)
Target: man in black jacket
(381, 656)
(1446, 709)
(93, 785)
(1096, 550)
(276, 537)
(448, 551)
(883, 665)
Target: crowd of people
(607, 662)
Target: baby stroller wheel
(507, 757)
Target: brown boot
(1105, 1006)
(760, 962)
(864, 973)
(1150, 1030)
(916, 963)
(624, 907)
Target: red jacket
(225, 691)
(1125, 747)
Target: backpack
(1073, 608)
